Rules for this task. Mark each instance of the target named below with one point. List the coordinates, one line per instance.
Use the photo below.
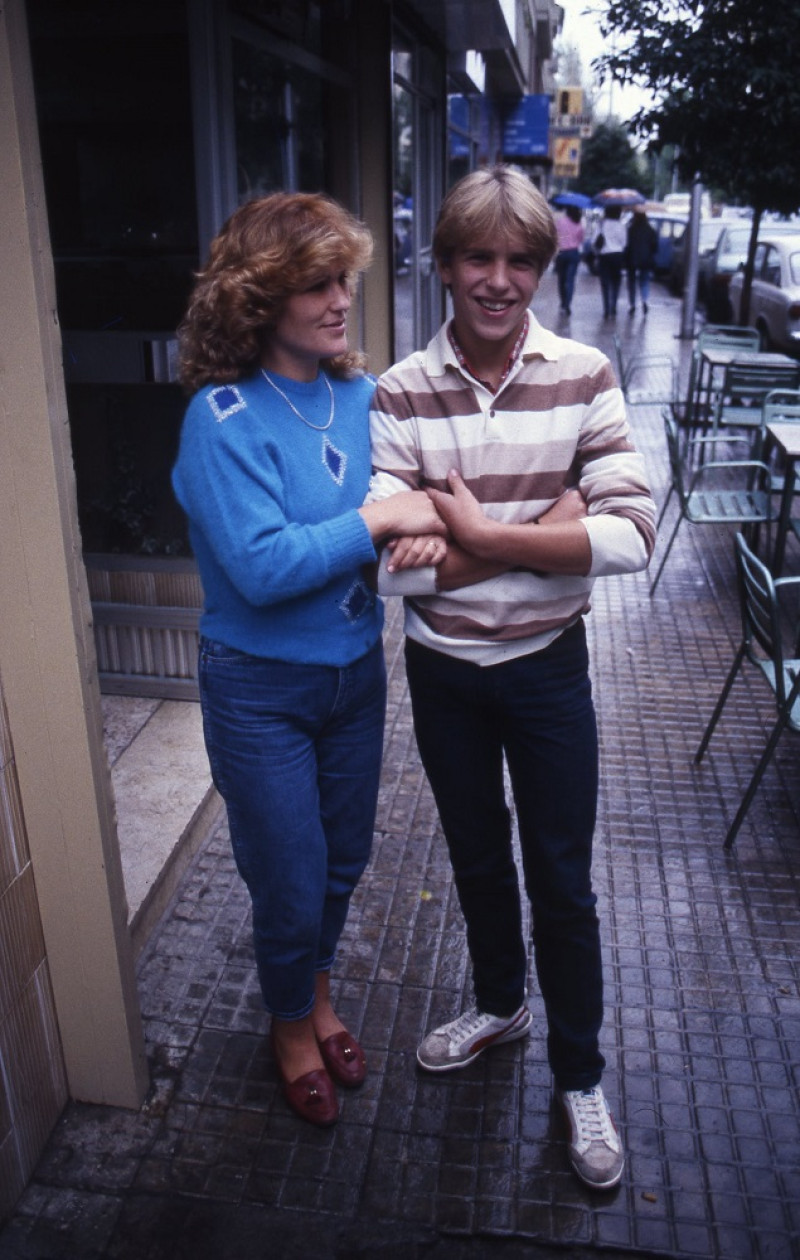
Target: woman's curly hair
(268, 250)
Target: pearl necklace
(320, 428)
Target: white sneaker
(459, 1042)
(595, 1150)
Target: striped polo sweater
(557, 421)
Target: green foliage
(725, 73)
(608, 160)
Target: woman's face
(312, 326)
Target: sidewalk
(702, 1032)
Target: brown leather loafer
(344, 1058)
(312, 1096)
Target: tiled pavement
(702, 1033)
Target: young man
(504, 423)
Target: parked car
(669, 228)
(775, 295)
(709, 234)
(729, 253)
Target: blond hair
(495, 203)
(268, 250)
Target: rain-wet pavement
(702, 1031)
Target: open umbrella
(571, 199)
(619, 197)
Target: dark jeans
(609, 269)
(567, 261)
(538, 711)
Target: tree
(725, 73)
(608, 160)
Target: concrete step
(164, 797)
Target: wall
(33, 1086)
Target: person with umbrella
(611, 241)
(610, 244)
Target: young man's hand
(461, 513)
(557, 543)
(571, 506)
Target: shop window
(279, 115)
(114, 105)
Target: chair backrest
(674, 452)
(760, 615)
(726, 336)
(751, 382)
(781, 406)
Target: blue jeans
(295, 752)
(567, 261)
(538, 711)
(642, 275)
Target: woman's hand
(415, 552)
(408, 512)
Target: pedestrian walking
(610, 246)
(640, 253)
(521, 438)
(272, 472)
(569, 227)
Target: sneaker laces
(467, 1023)
(592, 1119)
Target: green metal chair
(700, 396)
(781, 406)
(763, 638)
(728, 336)
(646, 380)
(743, 393)
(714, 492)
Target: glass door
(418, 132)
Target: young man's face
(492, 284)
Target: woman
(612, 238)
(570, 238)
(272, 472)
(640, 253)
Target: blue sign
(459, 118)
(526, 129)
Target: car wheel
(765, 342)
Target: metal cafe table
(785, 437)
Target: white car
(718, 268)
(775, 295)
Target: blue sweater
(273, 521)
